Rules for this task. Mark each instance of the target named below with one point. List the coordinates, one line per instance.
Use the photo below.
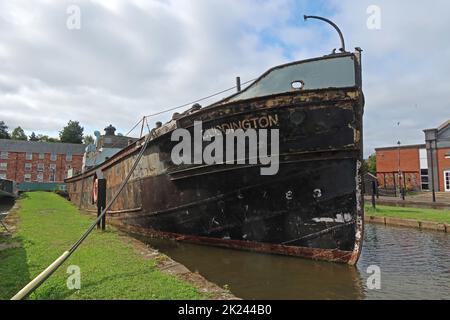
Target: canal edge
(171, 267)
(409, 223)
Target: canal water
(413, 264)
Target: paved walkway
(420, 200)
(443, 197)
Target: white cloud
(133, 58)
(405, 67)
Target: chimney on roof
(110, 130)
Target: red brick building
(41, 162)
(417, 167)
(407, 161)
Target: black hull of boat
(248, 207)
(312, 207)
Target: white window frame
(4, 155)
(40, 167)
(69, 157)
(445, 181)
(52, 176)
(28, 166)
(27, 177)
(3, 175)
(41, 156)
(40, 177)
(28, 155)
(53, 157)
(4, 166)
(52, 167)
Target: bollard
(101, 202)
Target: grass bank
(434, 215)
(110, 268)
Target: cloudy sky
(137, 57)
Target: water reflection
(414, 265)
(262, 276)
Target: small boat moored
(8, 189)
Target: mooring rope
(198, 100)
(144, 119)
(44, 275)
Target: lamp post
(433, 191)
(430, 138)
(400, 182)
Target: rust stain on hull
(330, 255)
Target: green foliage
(19, 134)
(110, 267)
(441, 216)
(72, 133)
(33, 137)
(372, 164)
(4, 134)
(45, 138)
(365, 166)
(88, 139)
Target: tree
(19, 134)
(88, 139)
(45, 138)
(72, 133)
(4, 134)
(33, 137)
(372, 164)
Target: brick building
(38, 162)
(417, 167)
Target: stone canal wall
(410, 223)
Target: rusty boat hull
(311, 208)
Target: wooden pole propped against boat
(342, 49)
(44, 275)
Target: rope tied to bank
(44, 275)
